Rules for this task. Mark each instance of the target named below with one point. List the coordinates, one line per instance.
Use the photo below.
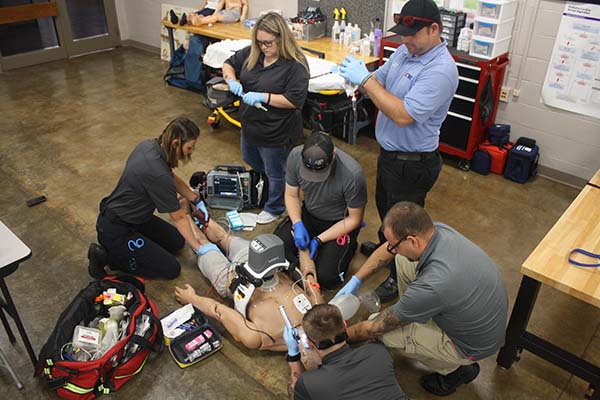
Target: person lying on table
(252, 271)
(226, 11)
(453, 303)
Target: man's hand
(251, 98)
(313, 246)
(354, 70)
(351, 287)
(290, 335)
(186, 295)
(235, 87)
(301, 237)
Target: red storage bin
(499, 155)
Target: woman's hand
(251, 98)
(235, 87)
(186, 295)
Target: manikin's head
(266, 256)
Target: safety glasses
(409, 21)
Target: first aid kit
(189, 336)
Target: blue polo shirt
(426, 84)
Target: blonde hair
(181, 129)
(288, 49)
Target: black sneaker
(367, 248)
(444, 385)
(388, 290)
(98, 258)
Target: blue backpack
(185, 68)
(522, 160)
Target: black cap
(421, 9)
(317, 157)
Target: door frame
(67, 47)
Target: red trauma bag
(85, 380)
(499, 154)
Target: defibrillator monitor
(226, 186)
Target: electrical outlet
(516, 92)
(504, 93)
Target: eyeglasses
(265, 43)
(392, 249)
(409, 20)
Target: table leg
(13, 374)
(9, 331)
(171, 41)
(12, 311)
(519, 319)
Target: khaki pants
(426, 343)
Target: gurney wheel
(213, 120)
(464, 165)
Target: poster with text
(573, 76)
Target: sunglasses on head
(409, 21)
(265, 43)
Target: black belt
(409, 156)
(112, 217)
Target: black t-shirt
(146, 184)
(366, 372)
(277, 126)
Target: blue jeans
(270, 161)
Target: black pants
(144, 250)
(332, 259)
(404, 180)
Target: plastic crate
(452, 18)
(484, 47)
(493, 28)
(497, 9)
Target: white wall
(139, 20)
(569, 142)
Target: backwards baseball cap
(317, 157)
(415, 15)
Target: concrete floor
(66, 130)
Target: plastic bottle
(371, 40)
(110, 329)
(348, 35)
(365, 47)
(377, 42)
(342, 25)
(355, 33)
(335, 30)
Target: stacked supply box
(452, 22)
(493, 28)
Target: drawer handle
(462, 78)
(453, 114)
(458, 96)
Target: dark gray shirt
(277, 126)
(329, 200)
(146, 184)
(461, 289)
(366, 372)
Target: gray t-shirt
(146, 184)
(461, 289)
(346, 186)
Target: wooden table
(578, 227)
(12, 252)
(595, 181)
(332, 51)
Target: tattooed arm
(384, 322)
(380, 258)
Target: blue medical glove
(206, 247)
(354, 70)
(290, 335)
(351, 287)
(235, 87)
(301, 237)
(200, 206)
(335, 69)
(251, 98)
(313, 246)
